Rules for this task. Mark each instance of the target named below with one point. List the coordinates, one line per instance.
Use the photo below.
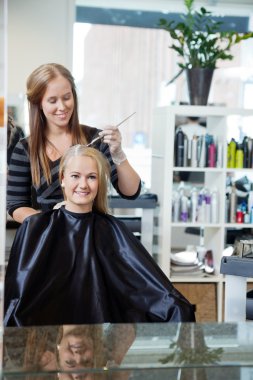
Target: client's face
(76, 352)
(80, 183)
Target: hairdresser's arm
(19, 196)
(128, 179)
(21, 213)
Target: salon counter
(144, 224)
(125, 351)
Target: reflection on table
(125, 351)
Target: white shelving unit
(162, 184)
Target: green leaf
(199, 38)
(175, 77)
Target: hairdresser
(33, 183)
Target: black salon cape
(69, 268)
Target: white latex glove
(112, 137)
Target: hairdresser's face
(76, 353)
(80, 183)
(58, 103)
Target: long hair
(37, 83)
(100, 202)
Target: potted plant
(201, 41)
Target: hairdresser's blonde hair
(37, 83)
(100, 202)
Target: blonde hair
(37, 83)
(100, 202)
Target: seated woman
(80, 265)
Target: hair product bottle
(250, 197)
(233, 204)
(211, 155)
(179, 148)
(232, 150)
(201, 250)
(194, 157)
(245, 152)
(239, 157)
(214, 206)
(194, 205)
(202, 158)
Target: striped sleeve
(19, 179)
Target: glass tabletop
(126, 351)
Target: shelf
(206, 111)
(192, 279)
(201, 170)
(173, 234)
(196, 224)
(238, 226)
(147, 203)
(141, 202)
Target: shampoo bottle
(233, 204)
(214, 207)
(201, 250)
(194, 205)
(250, 198)
(179, 148)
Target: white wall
(38, 32)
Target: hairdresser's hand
(59, 205)
(112, 137)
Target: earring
(62, 184)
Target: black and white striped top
(21, 192)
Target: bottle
(233, 204)
(245, 152)
(219, 159)
(249, 152)
(232, 151)
(214, 206)
(244, 207)
(194, 158)
(202, 158)
(179, 148)
(239, 157)
(246, 218)
(239, 215)
(212, 155)
(228, 156)
(176, 206)
(201, 206)
(208, 207)
(201, 250)
(194, 205)
(184, 208)
(227, 218)
(251, 215)
(209, 264)
(186, 147)
(250, 198)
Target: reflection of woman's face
(76, 352)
